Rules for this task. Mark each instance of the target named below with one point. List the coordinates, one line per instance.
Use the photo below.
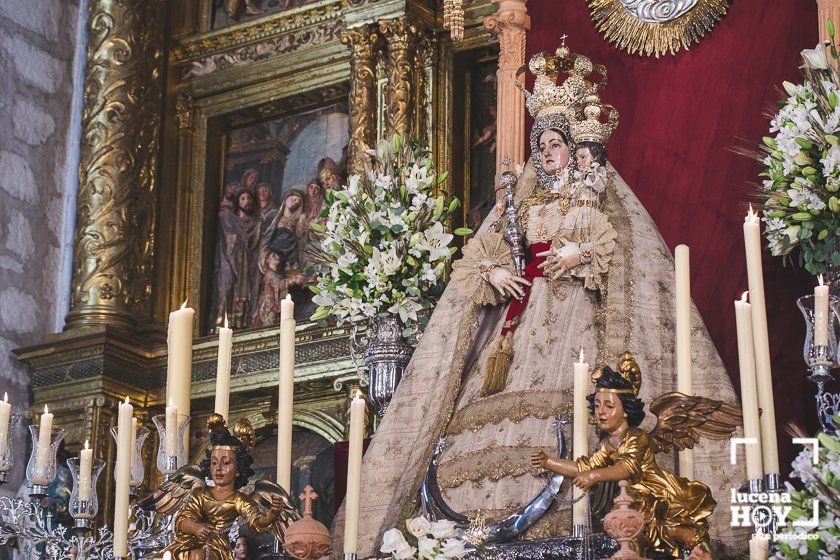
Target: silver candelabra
(821, 359)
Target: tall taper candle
(286, 393)
(85, 470)
(761, 344)
(749, 397)
(42, 454)
(685, 381)
(179, 362)
(223, 370)
(354, 475)
(580, 433)
(123, 478)
(821, 314)
(5, 415)
(172, 429)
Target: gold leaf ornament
(656, 27)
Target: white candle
(580, 430)
(286, 390)
(5, 415)
(354, 475)
(223, 370)
(759, 547)
(749, 397)
(85, 470)
(179, 361)
(171, 429)
(761, 343)
(684, 376)
(42, 454)
(123, 478)
(133, 457)
(821, 314)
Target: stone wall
(41, 64)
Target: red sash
(517, 306)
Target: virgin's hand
(557, 264)
(507, 283)
(586, 479)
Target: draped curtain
(681, 117)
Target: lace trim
(511, 406)
(493, 464)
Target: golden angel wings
(173, 495)
(681, 421)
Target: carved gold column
(511, 24)
(827, 9)
(117, 172)
(363, 42)
(402, 43)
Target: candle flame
(87, 444)
(751, 215)
(744, 296)
(5, 397)
(46, 410)
(126, 399)
(580, 358)
(820, 278)
(288, 297)
(226, 321)
(358, 394)
(184, 305)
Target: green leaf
(804, 143)
(769, 142)
(317, 227)
(830, 138)
(829, 27)
(823, 234)
(453, 205)
(802, 216)
(442, 177)
(832, 99)
(463, 231)
(320, 313)
(808, 170)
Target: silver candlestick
(820, 359)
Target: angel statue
(204, 514)
(676, 509)
(497, 357)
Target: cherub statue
(676, 509)
(204, 514)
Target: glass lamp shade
(171, 453)
(7, 451)
(820, 355)
(41, 474)
(137, 470)
(84, 503)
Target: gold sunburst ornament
(656, 27)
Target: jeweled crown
(590, 127)
(548, 96)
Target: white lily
(436, 242)
(815, 58)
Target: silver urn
(385, 354)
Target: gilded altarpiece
(388, 64)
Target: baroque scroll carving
(511, 24)
(363, 42)
(402, 43)
(114, 240)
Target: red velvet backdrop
(680, 117)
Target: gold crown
(629, 370)
(548, 97)
(589, 127)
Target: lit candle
(123, 478)
(286, 390)
(171, 429)
(42, 455)
(821, 314)
(85, 469)
(749, 397)
(179, 362)
(761, 343)
(354, 475)
(580, 430)
(684, 375)
(5, 414)
(759, 547)
(223, 370)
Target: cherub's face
(223, 467)
(554, 152)
(273, 261)
(584, 158)
(609, 412)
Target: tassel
(498, 364)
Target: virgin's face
(609, 413)
(223, 467)
(554, 152)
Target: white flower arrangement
(384, 248)
(802, 164)
(820, 482)
(436, 540)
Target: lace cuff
(595, 253)
(482, 254)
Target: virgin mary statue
(495, 364)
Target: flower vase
(386, 356)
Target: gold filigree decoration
(488, 464)
(513, 407)
(363, 42)
(647, 37)
(402, 39)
